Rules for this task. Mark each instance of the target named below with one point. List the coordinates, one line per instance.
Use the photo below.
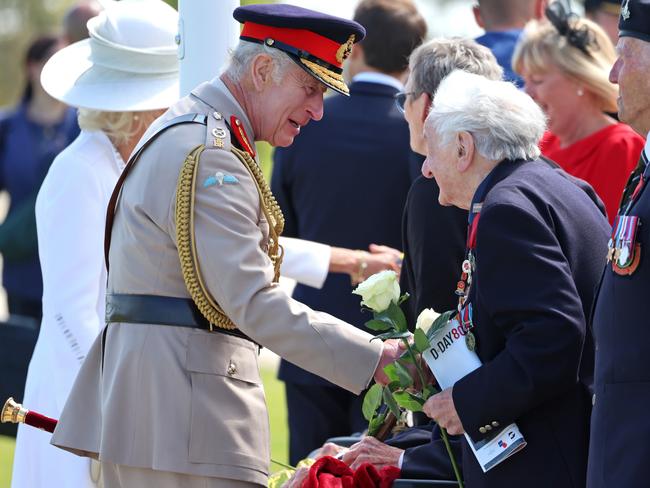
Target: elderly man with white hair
(535, 251)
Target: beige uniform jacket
(161, 397)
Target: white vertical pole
(206, 32)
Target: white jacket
(70, 216)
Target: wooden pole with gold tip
(14, 413)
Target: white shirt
(70, 218)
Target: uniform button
(593, 399)
(495, 423)
(482, 430)
(488, 427)
(217, 115)
(232, 369)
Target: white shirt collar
(381, 78)
(647, 146)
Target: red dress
(603, 159)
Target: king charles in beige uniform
(170, 393)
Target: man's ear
(261, 71)
(465, 147)
(540, 9)
(424, 101)
(476, 10)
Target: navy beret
(635, 19)
(317, 42)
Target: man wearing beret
(620, 426)
(170, 393)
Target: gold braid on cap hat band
(185, 192)
(333, 79)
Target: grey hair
(504, 122)
(244, 53)
(434, 60)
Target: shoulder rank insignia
(241, 136)
(220, 178)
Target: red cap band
(319, 46)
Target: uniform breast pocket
(229, 422)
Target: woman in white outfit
(120, 79)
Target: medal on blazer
(623, 250)
(463, 286)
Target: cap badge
(345, 49)
(625, 10)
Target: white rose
(379, 290)
(425, 319)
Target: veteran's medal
(626, 251)
(470, 340)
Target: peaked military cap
(317, 42)
(635, 19)
(610, 6)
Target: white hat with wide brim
(128, 64)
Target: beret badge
(625, 10)
(345, 49)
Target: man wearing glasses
(433, 235)
(344, 183)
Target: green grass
(277, 416)
(6, 460)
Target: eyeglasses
(400, 99)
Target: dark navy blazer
(619, 453)
(343, 182)
(540, 249)
(425, 455)
(434, 246)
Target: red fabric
(241, 135)
(603, 159)
(320, 46)
(329, 472)
(40, 421)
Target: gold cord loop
(185, 192)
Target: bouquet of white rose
(380, 293)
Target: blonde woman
(565, 63)
(121, 79)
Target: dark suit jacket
(620, 426)
(540, 249)
(433, 239)
(425, 454)
(344, 182)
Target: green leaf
(439, 323)
(403, 298)
(391, 372)
(409, 401)
(378, 324)
(403, 374)
(375, 424)
(429, 391)
(391, 335)
(421, 341)
(395, 315)
(391, 403)
(371, 401)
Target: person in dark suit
(344, 183)
(433, 236)
(620, 429)
(535, 250)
